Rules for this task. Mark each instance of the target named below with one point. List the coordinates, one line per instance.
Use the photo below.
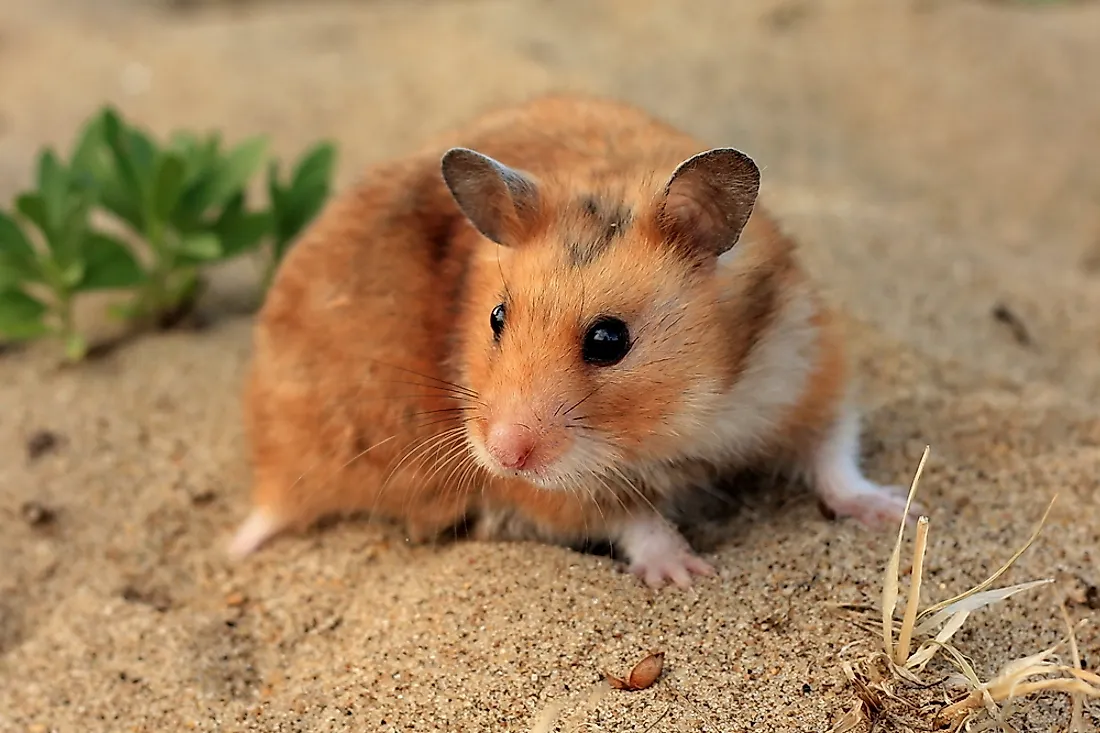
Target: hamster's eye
(606, 342)
(496, 320)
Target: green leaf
(202, 161)
(297, 213)
(183, 142)
(295, 206)
(203, 246)
(234, 171)
(11, 275)
(241, 230)
(53, 186)
(74, 224)
(109, 264)
(275, 191)
(135, 155)
(15, 248)
(21, 315)
(72, 274)
(115, 199)
(314, 171)
(143, 153)
(33, 207)
(169, 185)
(62, 221)
(116, 136)
(90, 148)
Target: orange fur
(378, 320)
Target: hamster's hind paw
(872, 505)
(657, 553)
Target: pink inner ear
(692, 213)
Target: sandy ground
(937, 160)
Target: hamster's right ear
(708, 200)
(499, 201)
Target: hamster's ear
(497, 200)
(708, 200)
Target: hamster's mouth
(543, 478)
(586, 462)
(548, 477)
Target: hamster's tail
(260, 526)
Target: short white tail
(260, 526)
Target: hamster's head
(591, 331)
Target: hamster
(567, 309)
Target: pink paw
(656, 552)
(871, 505)
(678, 568)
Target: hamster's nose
(511, 444)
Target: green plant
(181, 207)
(185, 200)
(40, 276)
(295, 204)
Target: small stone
(235, 599)
(156, 599)
(204, 497)
(36, 514)
(41, 442)
(1092, 597)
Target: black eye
(606, 342)
(496, 320)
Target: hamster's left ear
(708, 201)
(501, 202)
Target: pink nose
(510, 444)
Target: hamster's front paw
(657, 553)
(678, 568)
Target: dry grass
(893, 674)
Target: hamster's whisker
(656, 361)
(633, 488)
(446, 448)
(583, 400)
(468, 475)
(449, 391)
(353, 459)
(426, 443)
(365, 451)
(573, 485)
(406, 397)
(587, 456)
(464, 459)
(594, 498)
(445, 409)
(613, 493)
(462, 421)
(429, 377)
(454, 451)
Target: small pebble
(36, 514)
(40, 443)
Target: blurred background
(938, 159)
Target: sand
(938, 161)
